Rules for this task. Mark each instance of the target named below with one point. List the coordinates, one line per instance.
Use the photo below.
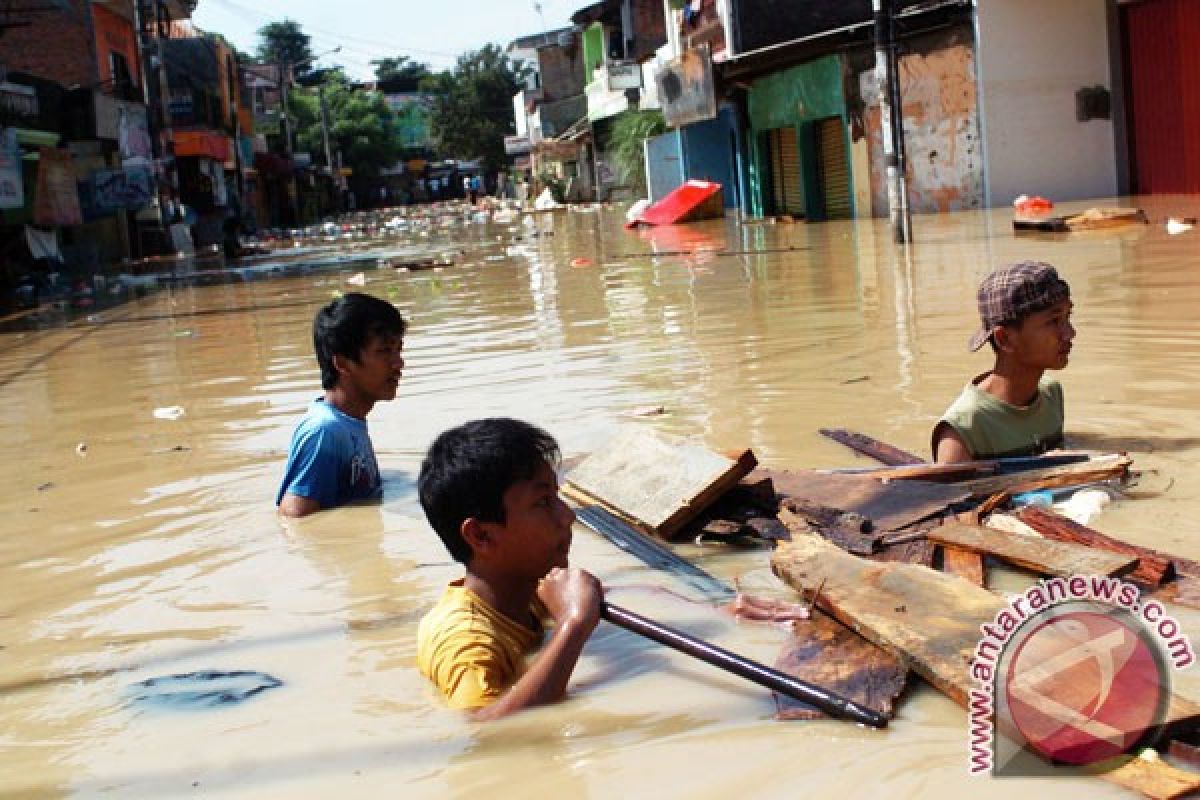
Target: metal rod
(832, 704)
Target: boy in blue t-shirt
(359, 340)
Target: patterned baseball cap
(1010, 293)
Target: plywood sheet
(890, 506)
(658, 482)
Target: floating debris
(81, 448)
(191, 691)
(169, 412)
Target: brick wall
(561, 70)
(56, 45)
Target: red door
(1162, 71)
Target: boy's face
(536, 534)
(1043, 339)
(376, 373)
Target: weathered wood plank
(962, 563)
(1155, 779)
(929, 619)
(660, 483)
(1097, 469)
(889, 506)
(1043, 556)
(871, 447)
(1152, 570)
(825, 652)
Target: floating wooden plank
(657, 482)
(889, 506)
(825, 652)
(962, 563)
(1102, 468)
(928, 619)
(966, 470)
(1154, 778)
(850, 539)
(1092, 219)
(868, 446)
(1153, 568)
(1044, 556)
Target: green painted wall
(793, 97)
(593, 50)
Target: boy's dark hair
(469, 468)
(344, 326)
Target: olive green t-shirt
(992, 428)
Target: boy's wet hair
(344, 326)
(469, 468)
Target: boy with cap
(1013, 410)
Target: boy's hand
(572, 596)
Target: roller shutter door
(835, 170)
(788, 189)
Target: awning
(203, 144)
(33, 138)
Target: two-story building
(553, 138)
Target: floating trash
(357, 279)
(169, 412)
(204, 689)
(1177, 226)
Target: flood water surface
(135, 546)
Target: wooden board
(928, 619)
(1155, 779)
(825, 652)
(659, 483)
(889, 506)
(1097, 469)
(871, 447)
(1044, 556)
(962, 563)
(1092, 219)
(1153, 568)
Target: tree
(471, 105)
(361, 125)
(399, 74)
(626, 141)
(285, 43)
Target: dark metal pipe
(832, 704)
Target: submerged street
(145, 443)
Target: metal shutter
(835, 171)
(785, 171)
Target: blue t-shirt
(331, 459)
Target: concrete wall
(941, 127)
(1032, 57)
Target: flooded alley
(136, 544)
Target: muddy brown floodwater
(155, 550)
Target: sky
(434, 32)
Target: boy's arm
(948, 446)
(573, 598)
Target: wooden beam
(868, 446)
(1153, 568)
(965, 564)
(1044, 556)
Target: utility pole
(293, 193)
(891, 119)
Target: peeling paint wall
(941, 128)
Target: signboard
(114, 189)
(12, 188)
(57, 199)
(18, 99)
(516, 145)
(181, 102)
(624, 75)
(685, 88)
(133, 135)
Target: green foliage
(400, 74)
(285, 43)
(471, 105)
(625, 144)
(361, 125)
